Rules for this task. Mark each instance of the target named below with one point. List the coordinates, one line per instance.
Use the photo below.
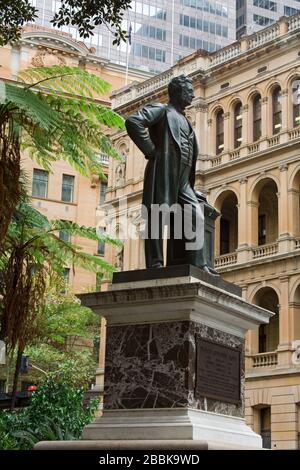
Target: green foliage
(34, 255)
(14, 13)
(55, 412)
(64, 325)
(34, 232)
(56, 116)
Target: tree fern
(54, 113)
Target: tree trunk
(16, 377)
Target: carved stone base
(172, 424)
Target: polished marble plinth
(174, 364)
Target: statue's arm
(137, 127)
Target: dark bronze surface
(218, 371)
(166, 138)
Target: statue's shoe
(157, 265)
(210, 271)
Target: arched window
(256, 118)
(219, 132)
(296, 102)
(277, 110)
(238, 125)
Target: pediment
(55, 40)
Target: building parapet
(203, 62)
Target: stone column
(284, 236)
(284, 323)
(266, 122)
(211, 141)
(227, 137)
(243, 237)
(253, 223)
(284, 137)
(203, 128)
(294, 211)
(246, 133)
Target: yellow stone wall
(256, 180)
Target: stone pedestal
(174, 368)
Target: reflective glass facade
(252, 15)
(163, 31)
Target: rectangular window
(40, 183)
(103, 189)
(66, 275)
(65, 236)
(289, 11)
(262, 20)
(262, 224)
(152, 53)
(67, 190)
(186, 41)
(101, 245)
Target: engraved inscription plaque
(218, 371)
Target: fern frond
(90, 233)
(67, 79)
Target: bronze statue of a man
(167, 139)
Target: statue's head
(181, 91)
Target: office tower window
(296, 102)
(262, 20)
(101, 245)
(195, 43)
(56, 4)
(103, 190)
(238, 125)
(203, 25)
(151, 53)
(152, 32)
(40, 183)
(277, 110)
(215, 8)
(149, 10)
(220, 132)
(289, 11)
(256, 117)
(266, 4)
(67, 191)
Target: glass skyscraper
(253, 15)
(163, 31)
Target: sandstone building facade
(64, 193)
(247, 118)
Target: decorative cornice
(283, 167)
(243, 180)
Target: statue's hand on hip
(152, 155)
